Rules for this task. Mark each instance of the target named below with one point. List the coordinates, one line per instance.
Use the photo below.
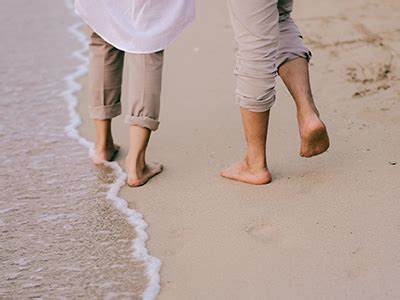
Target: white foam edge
(140, 252)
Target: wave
(153, 264)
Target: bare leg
(253, 169)
(313, 133)
(139, 172)
(106, 150)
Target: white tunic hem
(151, 45)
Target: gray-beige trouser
(105, 80)
(265, 37)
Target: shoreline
(135, 219)
(325, 227)
(61, 237)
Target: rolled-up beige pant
(266, 37)
(105, 80)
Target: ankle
(104, 145)
(255, 162)
(306, 105)
(305, 115)
(136, 161)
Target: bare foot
(241, 171)
(105, 154)
(142, 175)
(314, 136)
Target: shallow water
(60, 236)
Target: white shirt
(137, 26)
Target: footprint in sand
(367, 60)
(322, 33)
(371, 68)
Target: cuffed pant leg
(145, 78)
(291, 43)
(255, 26)
(105, 79)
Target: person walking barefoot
(269, 44)
(132, 33)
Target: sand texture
(325, 228)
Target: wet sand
(326, 227)
(60, 238)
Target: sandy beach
(326, 227)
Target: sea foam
(140, 251)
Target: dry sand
(327, 227)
